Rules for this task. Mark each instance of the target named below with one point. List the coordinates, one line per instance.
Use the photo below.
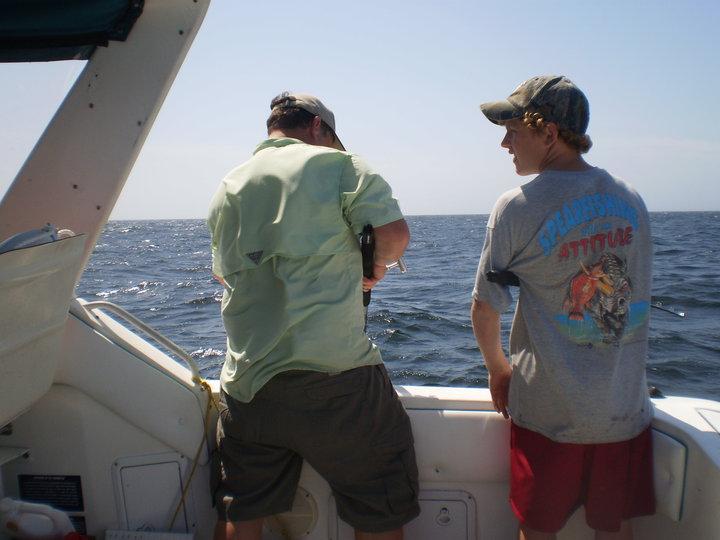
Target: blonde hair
(535, 120)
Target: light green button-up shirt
(284, 230)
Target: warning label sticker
(61, 492)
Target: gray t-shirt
(580, 245)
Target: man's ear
(316, 128)
(551, 133)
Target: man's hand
(499, 383)
(379, 271)
(390, 243)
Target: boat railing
(149, 331)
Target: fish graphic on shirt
(603, 291)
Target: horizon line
(419, 215)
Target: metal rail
(148, 330)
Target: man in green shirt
(301, 379)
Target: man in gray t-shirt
(577, 242)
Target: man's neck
(563, 158)
(291, 133)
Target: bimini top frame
(46, 30)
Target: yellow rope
(211, 403)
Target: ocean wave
(416, 377)
(679, 381)
(107, 294)
(207, 353)
(203, 300)
(148, 285)
(416, 314)
(205, 268)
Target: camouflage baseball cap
(554, 96)
(309, 103)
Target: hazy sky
(405, 80)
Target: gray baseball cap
(309, 103)
(554, 96)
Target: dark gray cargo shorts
(350, 427)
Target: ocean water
(160, 271)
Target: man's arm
(390, 243)
(486, 327)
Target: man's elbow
(395, 235)
(403, 234)
(482, 311)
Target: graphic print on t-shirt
(597, 307)
(602, 290)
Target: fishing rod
(367, 250)
(673, 311)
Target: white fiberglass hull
(126, 419)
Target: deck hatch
(444, 514)
(147, 491)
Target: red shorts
(549, 480)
